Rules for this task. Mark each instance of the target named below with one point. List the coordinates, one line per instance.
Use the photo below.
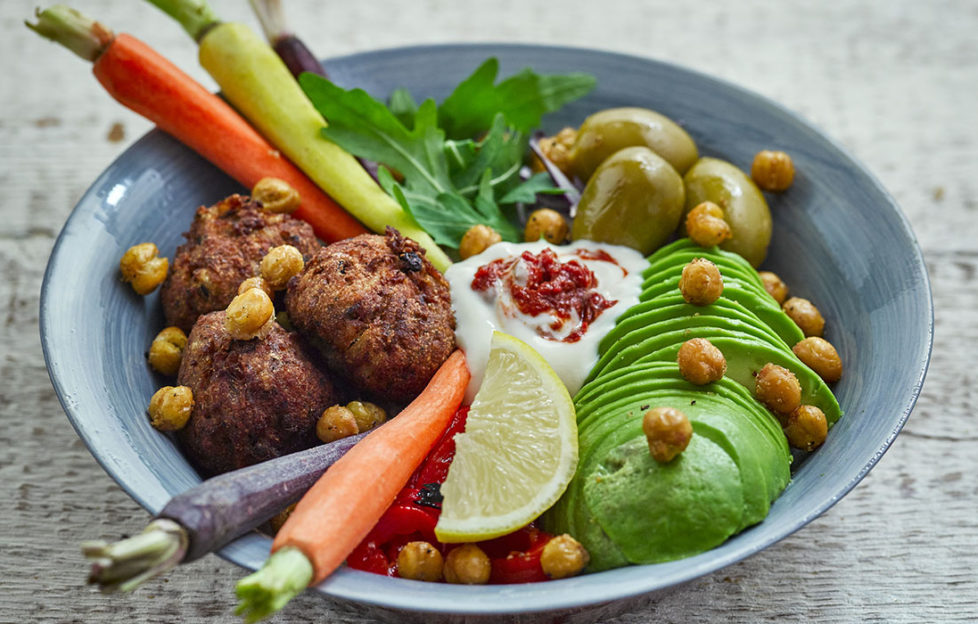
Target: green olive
(744, 207)
(635, 198)
(605, 132)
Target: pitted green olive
(634, 198)
(744, 207)
(605, 132)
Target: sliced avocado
(634, 339)
(746, 356)
(631, 352)
(677, 262)
(675, 306)
(661, 512)
(764, 307)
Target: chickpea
(142, 267)
(170, 408)
(777, 388)
(563, 556)
(772, 170)
(705, 225)
(279, 519)
(668, 431)
(367, 414)
(420, 561)
(166, 350)
(467, 565)
(335, 423)
(807, 428)
(548, 224)
(701, 283)
(255, 282)
(276, 195)
(557, 149)
(281, 264)
(248, 314)
(819, 355)
(805, 315)
(477, 239)
(774, 286)
(700, 362)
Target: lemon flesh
(518, 451)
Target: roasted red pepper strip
(413, 515)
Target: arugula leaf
(402, 104)
(526, 193)
(523, 99)
(449, 185)
(366, 128)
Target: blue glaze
(839, 239)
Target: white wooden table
(896, 82)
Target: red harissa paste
(542, 284)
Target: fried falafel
(253, 399)
(378, 310)
(225, 245)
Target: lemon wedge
(518, 451)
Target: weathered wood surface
(895, 82)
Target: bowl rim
(569, 593)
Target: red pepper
(413, 515)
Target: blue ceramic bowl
(839, 239)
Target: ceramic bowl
(839, 240)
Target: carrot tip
(262, 594)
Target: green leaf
(523, 99)
(365, 127)
(403, 106)
(526, 193)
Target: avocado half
(625, 507)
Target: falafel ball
(224, 247)
(253, 399)
(378, 310)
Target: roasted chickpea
(276, 195)
(819, 355)
(547, 224)
(142, 267)
(700, 362)
(557, 149)
(701, 282)
(668, 431)
(335, 423)
(807, 428)
(805, 315)
(705, 225)
(248, 314)
(774, 286)
(279, 519)
(166, 350)
(280, 265)
(255, 282)
(170, 408)
(477, 239)
(777, 388)
(467, 565)
(366, 414)
(420, 561)
(772, 170)
(563, 556)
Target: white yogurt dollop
(478, 313)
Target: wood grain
(894, 82)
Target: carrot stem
(124, 565)
(80, 34)
(283, 576)
(195, 16)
